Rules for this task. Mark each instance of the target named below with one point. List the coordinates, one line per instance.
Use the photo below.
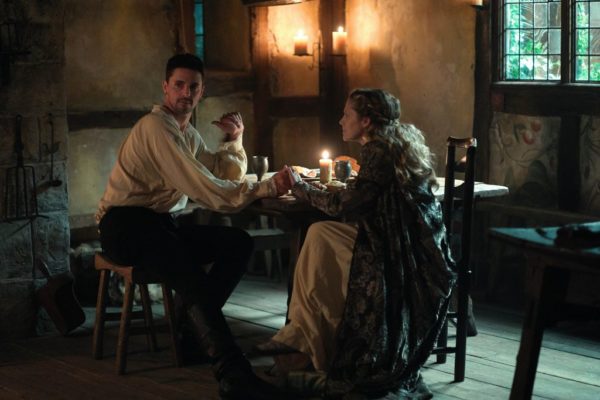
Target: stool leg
(170, 316)
(124, 328)
(148, 321)
(97, 342)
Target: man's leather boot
(231, 368)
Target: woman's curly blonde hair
(413, 160)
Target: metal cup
(260, 165)
(343, 170)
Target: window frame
(567, 72)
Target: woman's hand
(293, 176)
(231, 124)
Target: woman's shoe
(273, 347)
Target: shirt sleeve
(180, 169)
(228, 162)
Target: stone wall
(35, 90)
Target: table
(551, 267)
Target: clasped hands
(285, 179)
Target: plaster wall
(115, 53)
(293, 75)
(422, 51)
(227, 29)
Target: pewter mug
(343, 169)
(260, 165)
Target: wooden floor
(55, 367)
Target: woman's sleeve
(376, 172)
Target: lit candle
(300, 44)
(478, 2)
(325, 164)
(339, 41)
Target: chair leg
(461, 330)
(148, 320)
(124, 328)
(98, 340)
(442, 342)
(170, 316)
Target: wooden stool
(142, 279)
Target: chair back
(460, 198)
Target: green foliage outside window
(532, 40)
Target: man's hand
(231, 124)
(282, 181)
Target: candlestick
(325, 164)
(339, 42)
(300, 44)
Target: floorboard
(55, 367)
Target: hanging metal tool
(20, 197)
(52, 149)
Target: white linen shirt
(159, 167)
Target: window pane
(512, 16)
(554, 16)
(512, 41)
(526, 15)
(595, 68)
(554, 41)
(540, 41)
(581, 69)
(554, 68)
(540, 12)
(582, 43)
(199, 27)
(527, 34)
(595, 14)
(526, 68)
(512, 67)
(526, 43)
(541, 67)
(581, 15)
(595, 41)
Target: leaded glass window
(587, 40)
(531, 33)
(199, 27)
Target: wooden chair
(106, 267)
(457, 213)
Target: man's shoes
(272, 348)
(243, 384)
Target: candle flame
(300, 33)
(325, 155)
(340, 28)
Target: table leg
(548, 288)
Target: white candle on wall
(477, 2)
(339, 41)
(325, 164)
(300, 43)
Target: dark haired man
(160, 164)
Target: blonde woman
(370, 294)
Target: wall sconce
(339, 40)
(479, 4)
(301, 44)
(301, 48)
(339, 44)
